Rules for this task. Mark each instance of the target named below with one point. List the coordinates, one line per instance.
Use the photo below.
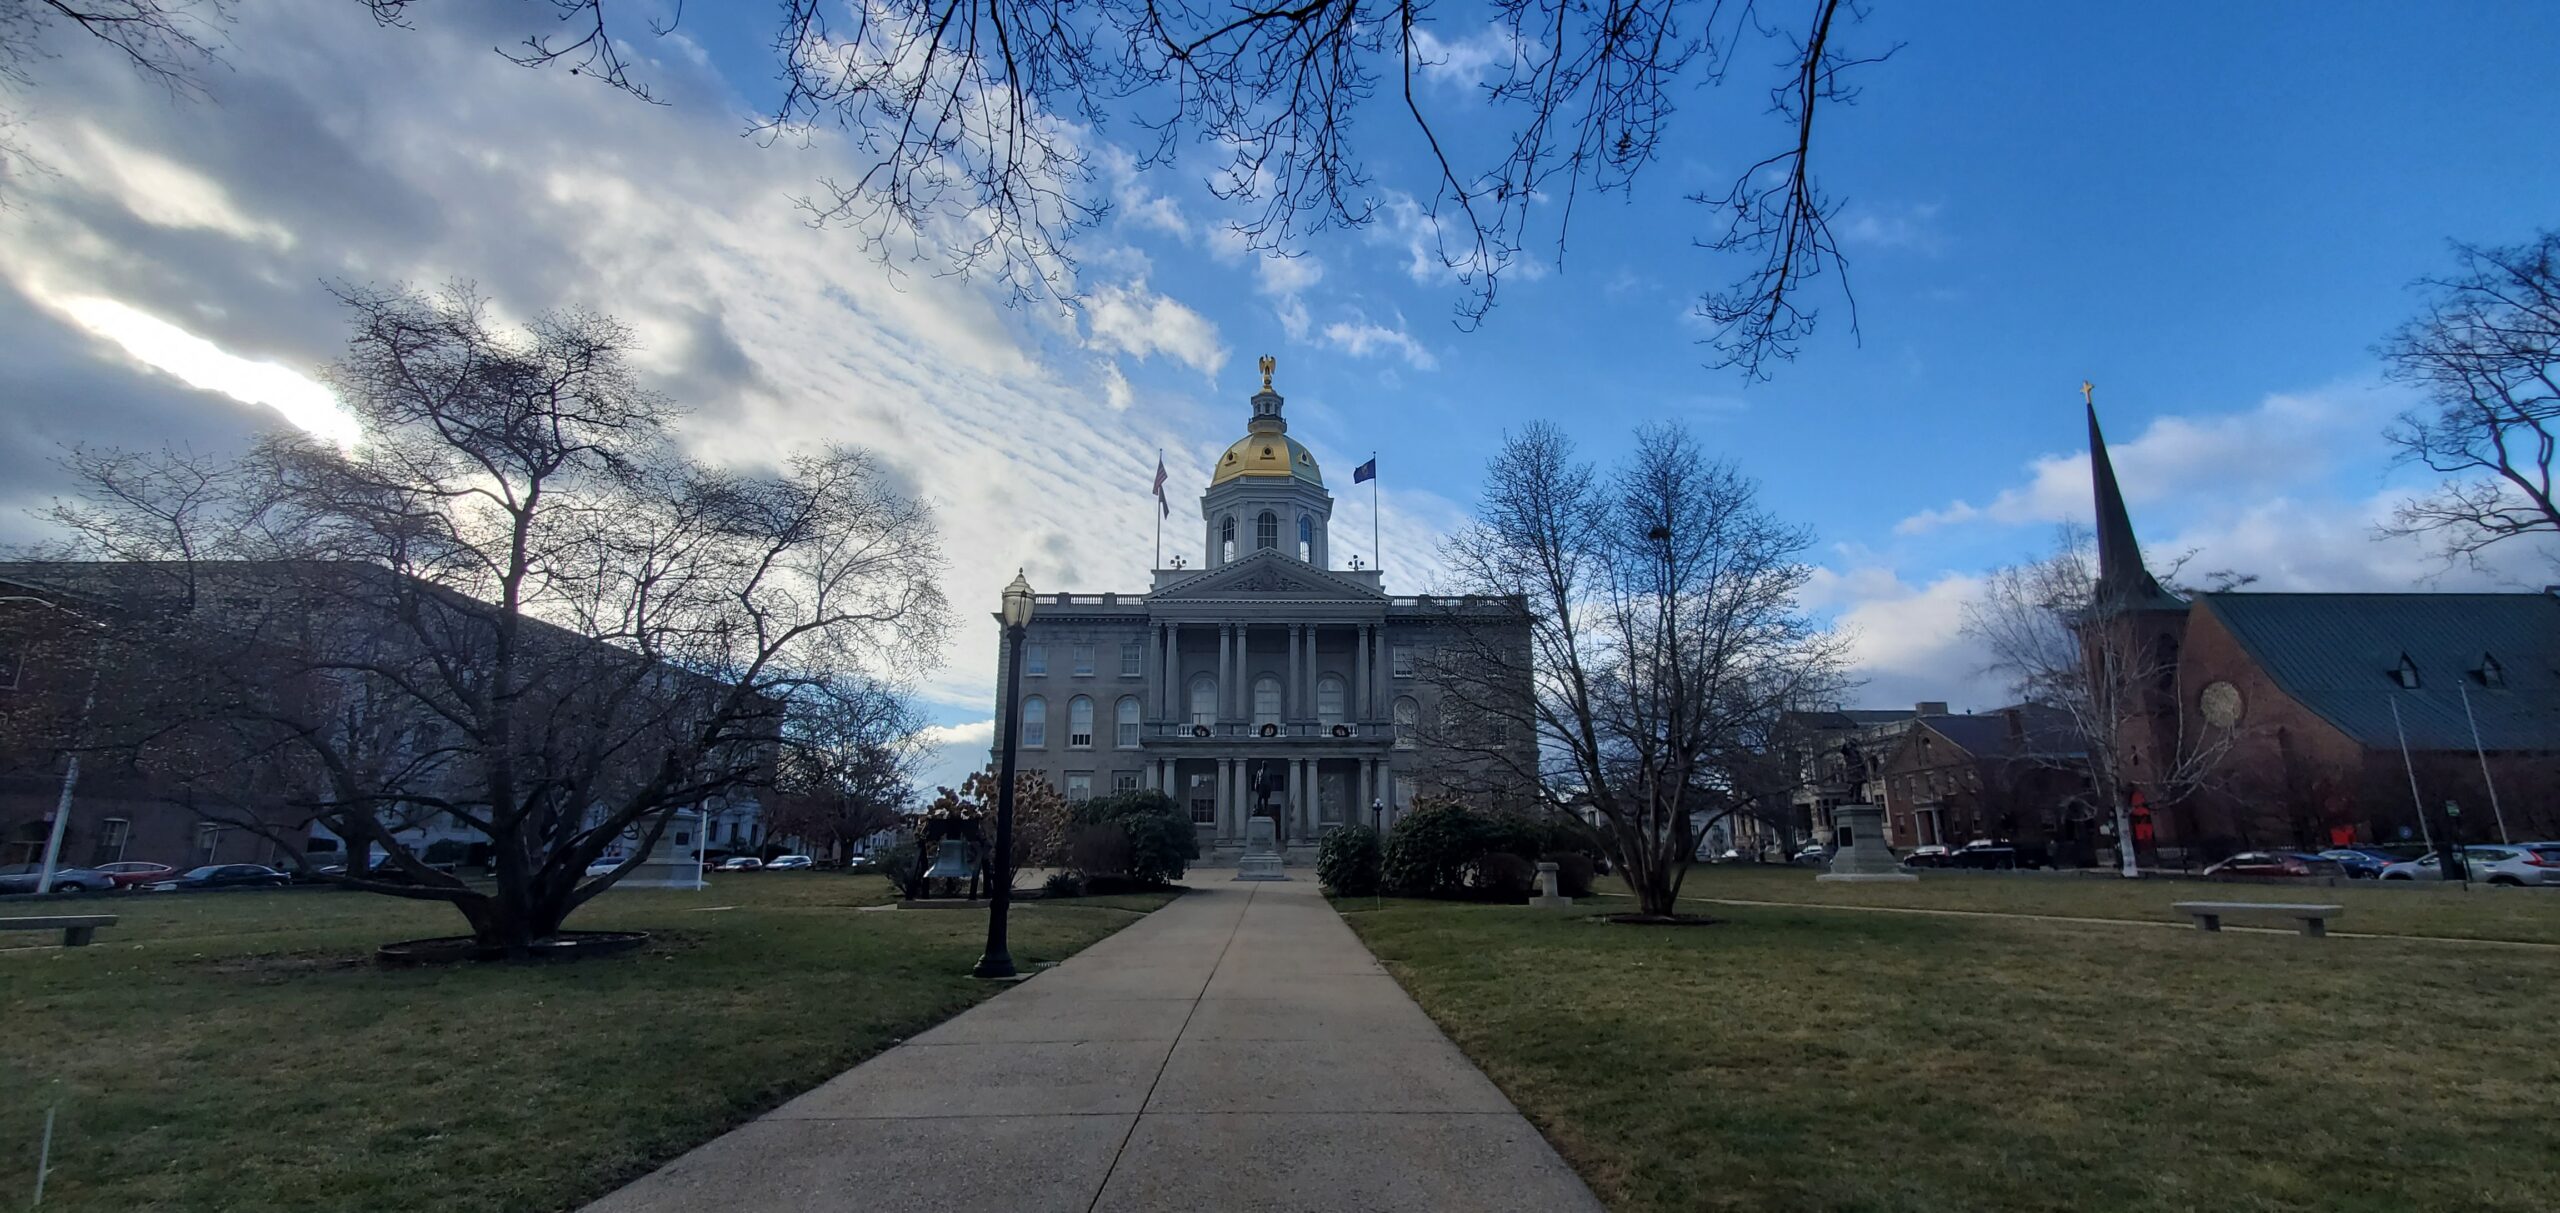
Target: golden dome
(1267, 454)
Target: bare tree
(977, 123)
(514, 608)
(1664, 635)
(2046, 633)
(2487, 352)
(846, 767)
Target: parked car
(2523, 865)
(1814, 852)
(130, 872)
(603, 866)
(1988, 853)
(1929, 856)
(223, 876)
(741, 863)
(2277, 864)
(790, 863)
(2359, 863)
(22, 878)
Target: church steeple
(2123, 583)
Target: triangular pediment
(1266, 574)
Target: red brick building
(2019, 775)
(2335, 717)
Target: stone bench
(77, 929)
(2208, 914)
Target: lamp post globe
(1015, 615)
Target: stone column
(1291, 700)
(1360, 674)
(1169, 666)
(1224, 786)
(1226, 669)
(1384, 668)
(1244, 673)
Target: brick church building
(2335, 717)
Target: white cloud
(1359, 337)
(199, 363)
(2287, 442)
(1465, 62)
(952, 752)
(1904, 227)
(1905, 640)
(1139, 322)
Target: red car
(130, 872)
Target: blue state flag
(1366, 471)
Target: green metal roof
(2339, 654)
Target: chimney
(1931, 707)
(2017, 723)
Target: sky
(2212, 212)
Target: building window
(1204, 800)
(208, 842)
(1084, 660)
(1079, 786)
(1124, 781)
(1400, 660)
(113, 833)
(1329, 701)
(2407, 674)
(1035, 661)
(1266, 531)
(1408, 720)
(1266, 701)
(2491, 673)
(1035, 722)
(1125, 719)
(1079, 723)
(1227, 540)
(1204, 700)
(1403, 793)
(1306, 539)
(1133, 660)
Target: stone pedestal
(1261, 858)
(1858, 850)
(1548, 897)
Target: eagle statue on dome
(1268, 362)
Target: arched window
(1204, 700)
(1266, 531)
(1126, 718)
(1266, 701)
(1408, 720)
(1329, 700)
(1306, 539)
(1079, 723)
(1227, 540)
(1035, 722)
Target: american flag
(1161, 503)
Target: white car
(2511, 866)
(790, 863)
(604, 866)
(741, 863)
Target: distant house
(1824, 780)
(2017, 774)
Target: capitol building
(1269, 668)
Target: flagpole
(2415, 801)
(1374, 553)
(1160, 512)
(2483, 755)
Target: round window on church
(2220, 704)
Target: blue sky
(2211, 211)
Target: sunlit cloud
(201, 364)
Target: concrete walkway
(1238, 1049)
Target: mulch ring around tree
(567, 945)
(1660, 920)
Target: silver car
(2520, 865)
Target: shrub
(1573, 873)
(1502, 876)
(1098, 850)
(1428, 852)
(899, 864)
(1348, 861)
(1062, 884)
(1157, 832)
(444, 851)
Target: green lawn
(2530, 915)
(240, 1050)
(1820, 1059)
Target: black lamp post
(1016, 615)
